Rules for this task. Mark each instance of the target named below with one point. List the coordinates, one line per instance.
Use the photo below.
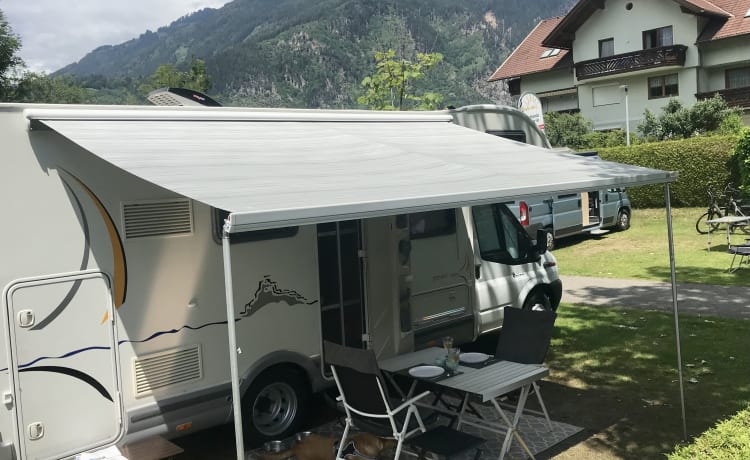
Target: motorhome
(559, 214)
(115, 278)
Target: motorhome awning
(279, 168)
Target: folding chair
(364, 395)
(741, 250)
(525, 338)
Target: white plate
(473, 357)
(425, 372)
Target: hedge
(728, 440)
(702, 163)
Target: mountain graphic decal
(269, 292)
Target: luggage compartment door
(64, 364)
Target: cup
(447, 342)
(451, 361)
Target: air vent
(167, 368)
(157, 218)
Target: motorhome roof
(278, 168)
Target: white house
(606, 52)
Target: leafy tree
(677, 121)
(38, 87)
(566, 129)
(9, 61)
(167, 75)
(392, 85)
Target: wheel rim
(550, 240)
(624, 220)
(274, 409)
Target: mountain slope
(301, 53)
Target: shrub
(728, 440)
(741, 160)
(702, 162)
(676, 121)
(566, 129)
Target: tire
(275, 405)
(538, 300)
(702, 227)
(550, 239)
(623, 220)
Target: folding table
(486, 383)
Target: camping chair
(742, 250)
(364, 395)
(524, 338)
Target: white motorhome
(559, 214)
(113, 277)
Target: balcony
(629, 62)
(735, 97)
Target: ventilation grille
(167, 368)
(157, 218)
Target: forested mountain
(315, 53)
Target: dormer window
(655, 38)
(550, 53)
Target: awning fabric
(276, 168)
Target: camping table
(488, 383)
(729, 220)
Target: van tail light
(523, 209)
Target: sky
(55, 33)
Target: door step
(599, 231)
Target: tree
(9, 61)
(167, 75)
(38, 87)
(392, 85)
(677, 121)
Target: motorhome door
(63, 364)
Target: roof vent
(157, 218)
(171, 367)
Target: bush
(741, 160)
(566, 129)
(728, 440)
(676, 121)
(702, 162)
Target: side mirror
(541, 241)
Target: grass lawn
(642, 252)
(614, 372)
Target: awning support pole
(668, 200)
(233, 350)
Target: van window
(432, 223)
(501, 237)
(219, 215)
(514, 135)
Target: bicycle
(731, 207)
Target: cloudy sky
(55, 33)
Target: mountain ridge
(297, 53)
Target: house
(606, 58)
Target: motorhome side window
(219, 215)
(432, 223)
(501, 237)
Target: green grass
(642, 252)
(616, 373)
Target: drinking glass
(447, 343)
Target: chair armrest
(409, 402)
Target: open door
(63, 350)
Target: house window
(655, 38)
(738, 78)
(606, 47)
(663, 86)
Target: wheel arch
(306, 366)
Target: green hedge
(702, 162)
(728, 440)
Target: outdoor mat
(534, 431)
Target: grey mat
(534, 431)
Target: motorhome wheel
(537, 300)
(623, 220)
(275, 405)
(550, 239)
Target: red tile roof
(526, 58)
(704, 7)
(736, 24)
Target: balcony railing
(629, 62)
(735, 97)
